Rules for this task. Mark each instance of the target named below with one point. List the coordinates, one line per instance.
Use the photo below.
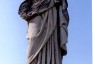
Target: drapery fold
(47, 31)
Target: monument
(47, 30)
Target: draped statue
(47, 32)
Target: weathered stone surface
(47, 30)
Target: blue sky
(13, 29)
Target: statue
(47, 30)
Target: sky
(13, 42)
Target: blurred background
(13, 42)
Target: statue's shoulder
(23, 4)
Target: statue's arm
(65, 11)
(23, 10)
(64, 21)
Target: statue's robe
(47, 30)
